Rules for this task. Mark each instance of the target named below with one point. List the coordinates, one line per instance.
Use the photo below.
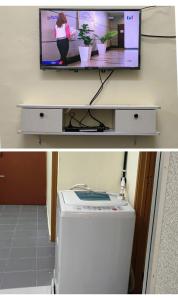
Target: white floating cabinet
(121, 119)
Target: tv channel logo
(130, 18)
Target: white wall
(23, 82)
(132, 168)
(48, 186)
(99, 170)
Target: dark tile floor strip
(26, 253)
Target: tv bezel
(68, 68)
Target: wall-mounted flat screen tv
(90, 39)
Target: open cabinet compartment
(107, 117)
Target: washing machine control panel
(98, 208)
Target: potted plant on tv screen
(104, 39)
(85, 50)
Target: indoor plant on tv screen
(85, 50)
(103, 41)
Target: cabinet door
(135, 121)
(41, 120)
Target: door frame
(142, 206)
(54, 184)
(156, 219)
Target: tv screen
(90, 39)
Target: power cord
(152, 35)
(101, 87)
(159, 36)
(148, 7)
(70, 126)
(101, 124)
(72, 117)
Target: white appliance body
(93, 246)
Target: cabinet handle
(41, 115)
(2, 176)
(136, 116)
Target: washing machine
(93, 244)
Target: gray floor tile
(24, 242)
(45, 251)
(7, 227)
(44, 277)
(26, 227)
(43, 241)
(10, 214)
(32, 214)
(20, 264)
(18, 279)
(27, 222)
(28, 208)
(45, 264)
(25, 233)
(3, 263)
(18, 247)
(41, 208)
(5, 243)
(43, 233)
(6, 234)
(43, 226)
(42, 220)
(1, 277)
(13, 208)
(8, 220)
(28, 213)
(4, 253)
(42, 214)
(29, 217)
(25, 252)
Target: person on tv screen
(62, 32)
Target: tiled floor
(112, 58)
(26, 254)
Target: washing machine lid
(90, 198)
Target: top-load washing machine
(93, 244)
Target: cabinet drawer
(36, 120)
(135, 121)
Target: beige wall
(48, 186)
(132, 167)
(23, 82)
(99, 170)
